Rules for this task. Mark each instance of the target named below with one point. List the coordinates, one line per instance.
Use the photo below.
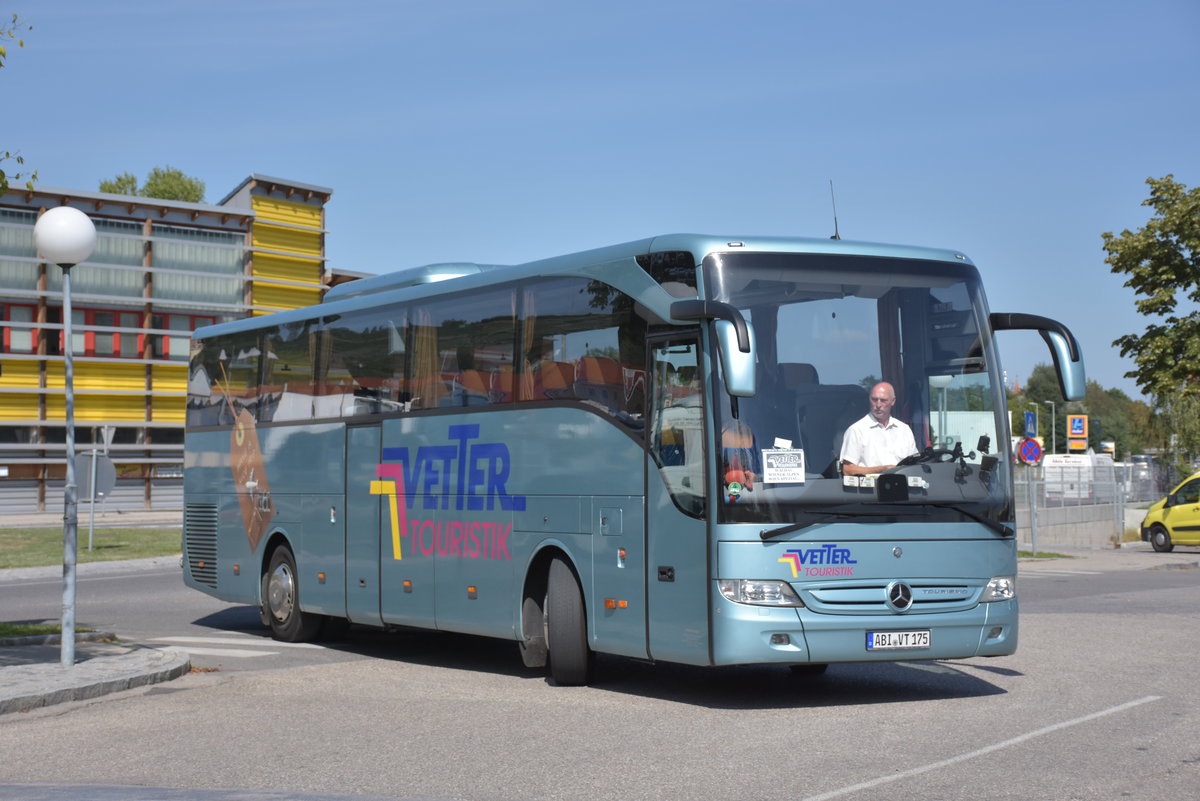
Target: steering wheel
(928, 455)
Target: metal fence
(1080, 507)
(129, 495)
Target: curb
(29, 687)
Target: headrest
(796, 373)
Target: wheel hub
(281, 593)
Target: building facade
(160, 270)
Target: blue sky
(501, 132)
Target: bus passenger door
(363, 525)
(677, 566)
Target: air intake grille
(869, 598)
(200, 542)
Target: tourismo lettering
(463, 476)
(824, 555)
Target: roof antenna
(833, 200)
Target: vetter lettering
(462, 476)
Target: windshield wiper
(994, 525)
(825, 516)
(828, 515)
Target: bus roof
(417, 282)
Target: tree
(124, 184)
(8, 32)
(1162, 261)
(165, 183)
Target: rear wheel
(281, 600)
(1160, 538)
(571, 659)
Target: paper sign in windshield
(783, 466)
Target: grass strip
(39, 547)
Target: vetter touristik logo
(463, 476)
(824, 560)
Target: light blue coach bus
(632, 450)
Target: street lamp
(1053, 427)
(940, 382)
(66, 236)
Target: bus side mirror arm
(1068, 357)
(714, 310)
(735, 341)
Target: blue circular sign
(1030, 452)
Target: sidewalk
(31, 671)
(32, 676)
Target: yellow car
(1175, 520)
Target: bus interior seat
(778, 414)
(825, 411)
(598, 378)
(553, 380)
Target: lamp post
(1053, 426)
(940, 382)
(66, 236)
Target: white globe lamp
(66, 236)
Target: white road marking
(1036, 573)
(230, 652)
(237, 641)
(854, 788)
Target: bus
(632, 450)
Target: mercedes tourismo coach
(632, 450)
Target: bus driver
(878, 441)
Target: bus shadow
(747, 687)
(751, 687)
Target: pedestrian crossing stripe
(237, 641)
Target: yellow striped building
(160, 269)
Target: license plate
(893, 640)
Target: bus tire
(281, 599)
(566, 628)
(1160, 539)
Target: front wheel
(571, 659)
(1160, 538)
(281, 600)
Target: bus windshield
(828, 329)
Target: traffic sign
(1030, 452)
(1030, 425)
(106, 474)
(1077, 426)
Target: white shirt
(869, 444)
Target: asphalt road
(1100, 702)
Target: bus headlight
(759, 593)
(1000, 588)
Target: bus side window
(583, 342)
(677, 423)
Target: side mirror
(735, 341)
(736, 366)
(1064, 348)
